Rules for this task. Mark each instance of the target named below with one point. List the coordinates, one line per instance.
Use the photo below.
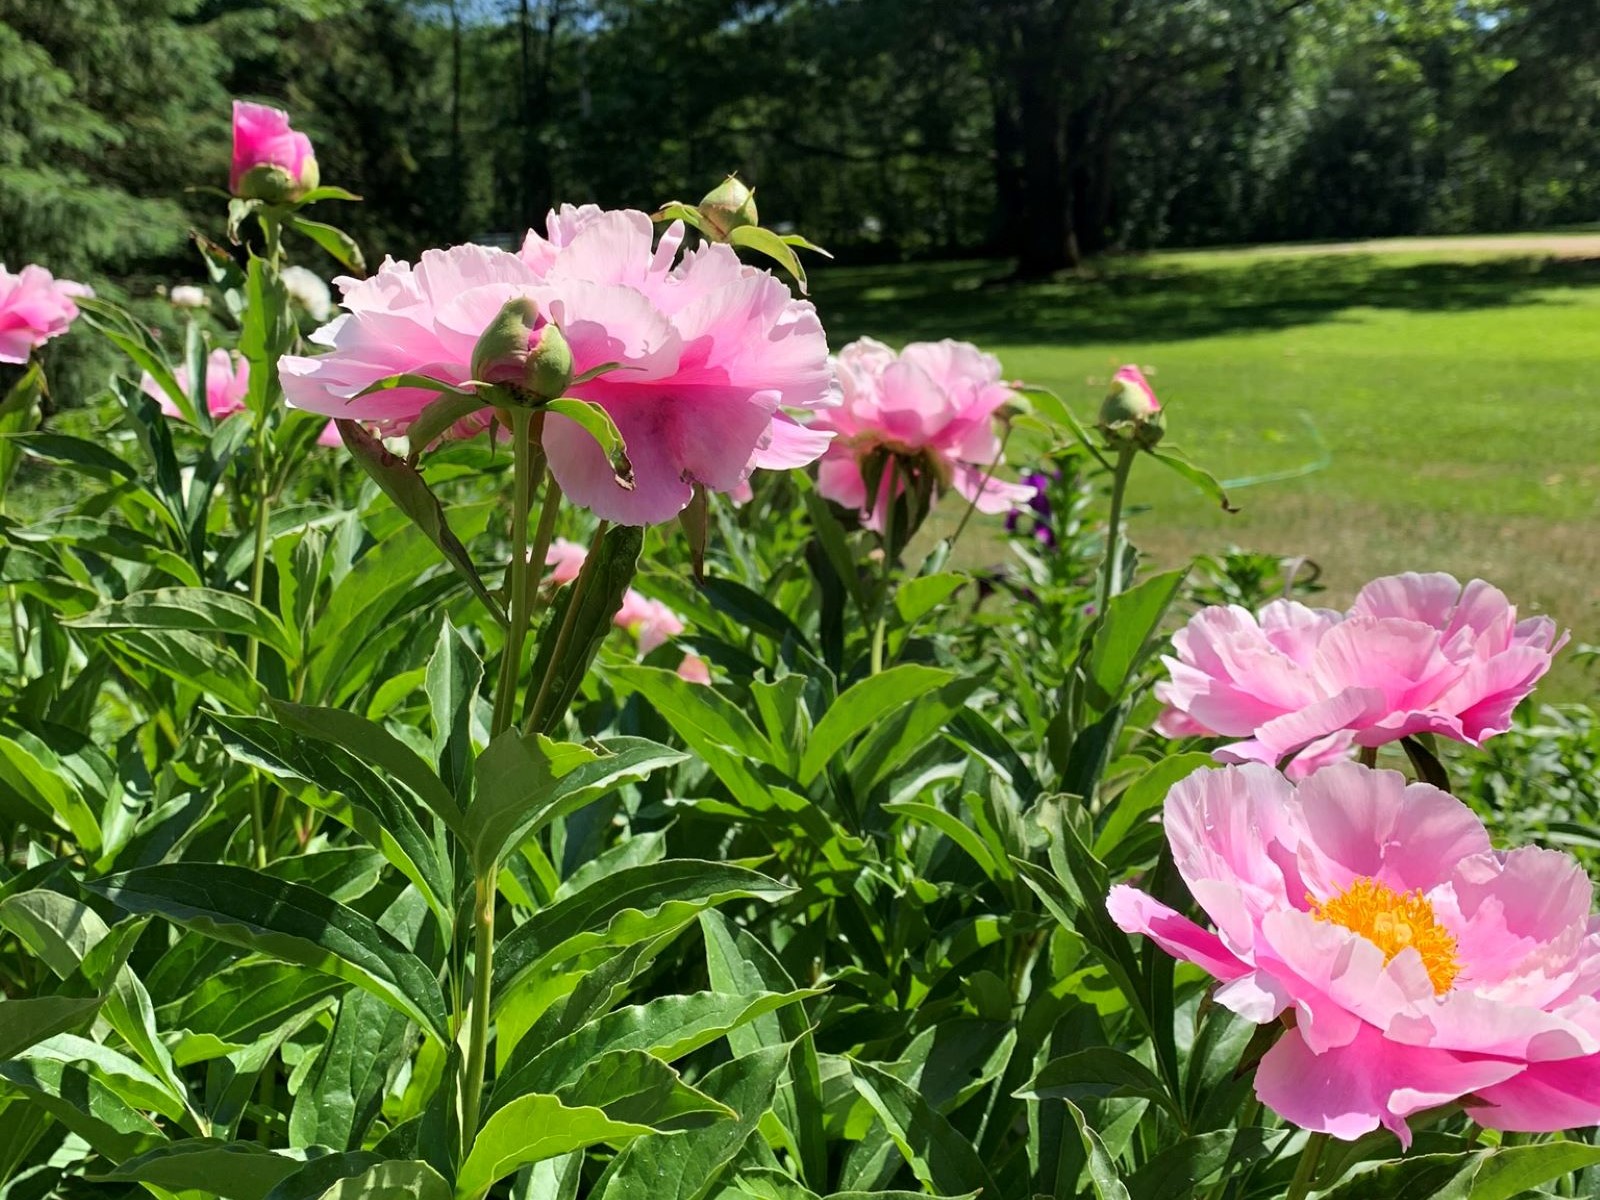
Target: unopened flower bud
(271, 161)
(1131, 413)
(187, 295)
(729, 206)
(522, 349)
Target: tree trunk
(1044, 233)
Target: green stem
(252, 650)
(891, 548)
(478, 1027)
(1111, 579)
(1367, 756)
(1300, 1186)
(517, 573)
(535, 707)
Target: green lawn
(1455, 392)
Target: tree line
(1043, 130)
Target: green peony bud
(523, 351)
(729, 206)
(548, 371)
(1131, 413)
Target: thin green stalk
(890, 551)
(252, 650)
(1300, 1186)
(19, 650)
(1368, 756)
(478, 1027)
(564, 634)
(1111, 578)
(972, 504)
(517, 573)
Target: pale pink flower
(567, 560)
(1414, 654)
(35, 306)
(711, 354)
(227, 383)
(650, 622)
(693, 669)
(271, 161)
(932, 406)
(1421, 966)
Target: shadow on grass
(1164, 300)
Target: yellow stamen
(1391, 921)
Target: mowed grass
(1454, 391)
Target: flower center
(1392, 921)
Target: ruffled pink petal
(790, 444)
(1358, 822)
(839, 479)
(1220, 822)
(1136, 912)
(1351, 1090)
(988, 494)
(1545, 1098)
(1427, 599)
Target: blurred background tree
(1042, 130)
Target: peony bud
(729, 206)
(187, 295)
(271, 162)
(522, 349)
(1131, 414)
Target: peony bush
(526, 733)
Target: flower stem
(519, 569)
(535, 706)
(478, 1017)
(1111, 579)
(252, 649)
(1300, 1186)
(1368, 756)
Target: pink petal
(1351, 1090)
(1545, 1098)
(1136, 912)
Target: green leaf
(1103, 1175)
(939, 1155)
(91, 458)
(1415, 1177)
(524, 783)
(31, 774)
(637, 1087)
(1511, 1171)
(26, 1022)
(685, 1166)
(426, 383)
(326, 192)
(562, 662)
(335, 241)
(699, 715)
(597, 423)
(1144, 795)
(393, 1180)
(195, 610)
(375, 746)
(84, 1102)
(193, 661)
(632, 905)
(738, 963)
(1094, 1074)
(438, 415)
(956, 830)
(862, 707)
(1126, 636)
(286, 921)
(267, 332)
(1054, 411)
(1183, 1167)
(375, 810)
(230, 1170)
(668, 1028)
(19, 413)
(1199, 478)
(916, 598)
(530, 1129)
(764, 241)
(454, 674)
(403, 485)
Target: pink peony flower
(1415, 654)
(693, 669)
(1422, 967)
(567, 559)
(271, 161)
(227, 382)
(712, 353)
(35, 306)
(651, 622)
(932, 406)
